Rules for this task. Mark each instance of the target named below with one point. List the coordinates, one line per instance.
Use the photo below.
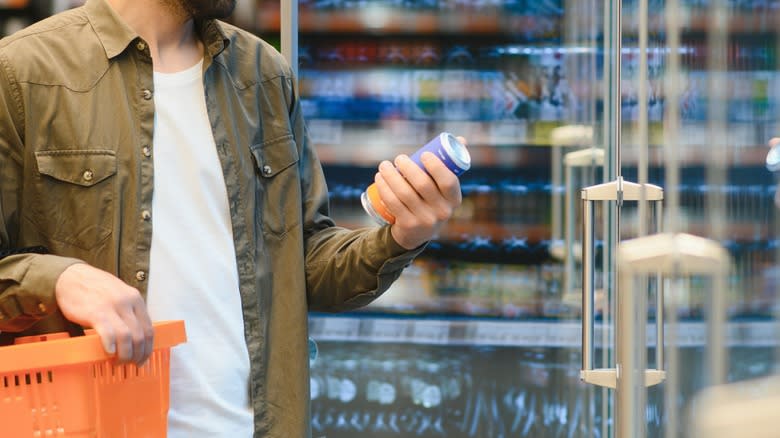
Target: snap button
(88, 175)
(267, 170)
(147, 94)
(140, 46)
(146, 151)
(146, 215)
(140, 275)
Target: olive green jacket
(76, 176)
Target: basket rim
(78, 350)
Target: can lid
(456, 150)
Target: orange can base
(374, 206)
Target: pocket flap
(82, 167)
(274, 156)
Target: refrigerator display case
(482, 335)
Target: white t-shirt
(193, 274)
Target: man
(159, 158)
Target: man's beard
(205, 9)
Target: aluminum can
(450, 151)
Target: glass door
(480, 336)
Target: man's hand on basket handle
(94, 298)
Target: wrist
(403, 240)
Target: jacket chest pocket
(73, 195)
(279, 189)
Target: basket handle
(60, 350)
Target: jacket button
(267, 170)
(42, 307)
(140, 275)
(147, 94)
(140, 46)
(146, 151)
(146, 215)
(88, 175)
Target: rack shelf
(12, 4)
(392, 21)
(564, 334)
(484, 21)
(517, 143)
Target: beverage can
(450, 151)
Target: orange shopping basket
(58, 386)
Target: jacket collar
(115, 35)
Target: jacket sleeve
(27, 280)
(345, 269)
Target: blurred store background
(481, 335)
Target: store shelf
(466, 231)
(486, 20)
(388, 21)
(700, 154)
(748, 22)
(13, 4)
(565, 334)
(519, 143)
(698, 20)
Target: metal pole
(671, 401)
(717, 331)
(587, 285)
(569, 211)
(615, 88)
(629, 380)
(289, 33)
(672, 122)
(557, 185)
(612, 170)
(717, 41)
(643, 115)
(659, 301)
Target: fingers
(122, 334)
(429, 185)
(133, 328)
(94, 298)
(446, 181)
(131, 342)
(147, 330)
(107, 336)
(430, 194)
(390, 183)
(420, 199)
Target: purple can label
(450, 151)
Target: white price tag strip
(517, 333)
